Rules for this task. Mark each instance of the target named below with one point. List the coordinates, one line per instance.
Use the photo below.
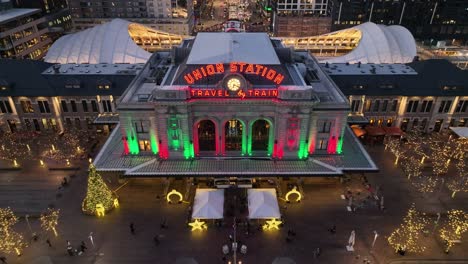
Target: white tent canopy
(263, 204)
(460, 131)
(208, 204)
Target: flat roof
(210, 48)
(96, 69)
(354, 158)
(11, 14)
(366, 69)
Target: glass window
(27, 106)
(73, 106)
(77, 123)
(325, 127)
(376, 106)
(144, 145)
(322, 144)
(94, 106)
(394, 105)
(43, 106)
(8, 107)
(142, 126)
(384, 106)
(85, 105)
(64, 106)
(2, 107)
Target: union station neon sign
(234, 67)
(222, 93)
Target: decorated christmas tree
(10, 241)
(98, 193)
(406, 238)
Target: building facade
(61, 97)
(426, 95)
(165, 15)
(27, 33)
(435, 19)
(301, 18)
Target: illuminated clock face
(233, 84)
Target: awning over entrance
(106, 119)
(263, 204)
(208, 204)
(375, 131)
(357, 120)
(358, 132)
(461, 132)
(393, 131)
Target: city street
(141, 202)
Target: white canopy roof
(106, 43)
(380, 44)
(210, 48)
(208, 204)
(263, 204)
(460, 131)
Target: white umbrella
(351, 240)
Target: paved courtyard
(321, 208)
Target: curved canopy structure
(365, 43)
(118, 41)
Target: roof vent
(56, 68)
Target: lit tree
(10, 241)
(14, 146)
(49, 220)
(98, 193)
(417, 144)
(411, 166)
(453, 230)
(64, 146)
(393, 144)
(406, 237)
(459, 182)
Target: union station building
(232, 104)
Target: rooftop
(354, 158)
(366, 69)
(14, 13)
(253, 48)
(96, 69)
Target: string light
(459, 182)
(406, 236)
(453, 230)
(64, 147)
(49, 220)
(10, 241)
(97, 193)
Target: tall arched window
(206, 135)
(233, 135)
(260, 135)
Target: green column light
(132, 140)
(303, 151)
(339, 146)
(154, 143)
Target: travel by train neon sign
(234, 67)
(222, 93)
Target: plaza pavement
(321, 208)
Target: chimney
(56, 68)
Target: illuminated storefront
(221, 97)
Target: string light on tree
(452, 231)
(459, 182)
(406, 237)
(97, 193)
(49, 220)
(10, 241)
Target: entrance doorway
(233, 135)
(206, 135)
(260, 135)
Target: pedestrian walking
(163, 224)
(156, 240)
(91, 238)
(83, 247)
(69, 249)
(132, 228)
(332, 230)
(3, 260)
(48, 242)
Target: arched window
(206, 135)
(233, 135)
(260, 135)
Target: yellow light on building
(198, 225)
(15, 163)
(68, 162)
(116, 203)
(294, 191)
(41, 162)
(174, 192)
